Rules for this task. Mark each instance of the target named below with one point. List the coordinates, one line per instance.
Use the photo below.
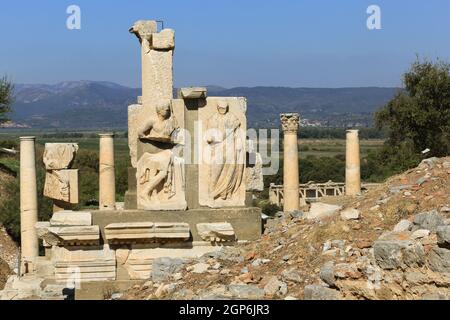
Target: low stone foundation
(246, 221)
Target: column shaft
(28, 204)
(291, 177)
(352, 166)
(291, 173)
(107, 177)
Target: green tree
(6, 98)
(418, 117)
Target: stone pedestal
(107, 180)
(28, 205)
(290, 124)
(352, 166)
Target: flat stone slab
(84, 265)
(146, 231)
(74, 235)
(71, 218)
(216, 232)
(246, 221)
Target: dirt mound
(8, 248)
(5, 271)
(296, 257)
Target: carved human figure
(227, 154)
(162, 128)
(158, 173)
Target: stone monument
(188, 183)
(61, 182)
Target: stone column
(290, 124)
(28, 205)
(107, 178)
(352, 166)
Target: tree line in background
(417, 118)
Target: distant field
(332, 147)
(90, 141)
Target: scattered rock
(275, 287)
(200, 268)
(296, 214)
(291, 275)
(163, 268)
(327, 273)
(393, 254)
(321, 210)
(350, 214)
(420, 233)
(116, 296)
(439, 259)
(318, 292)
(443, 235)
(250, 291)
(428, 220)
(403, 225)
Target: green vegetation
(419, 116)
(6, 98)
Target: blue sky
(304, 43)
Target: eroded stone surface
(321, 210)
(216, 232)
(62, 185)
(58, 236)
(222, 170)
(71, 218)
(146, 231)
(59, 156)
(85, 265)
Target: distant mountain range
(97, 104)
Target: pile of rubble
(390, 243)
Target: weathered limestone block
(134, 116)
(428, 220)
(216, 232)
(155, 263)
(222, 173)
(318, 292)
(73, 235)
(443, 236)
(321, 210)
(393, 254)
(71, 218)
(254, 175)
(160, 182)
(62, 185)
(439, 259)
(164, 40)
(59, 156)
(84, 265)
(138, 232)
(192, 93)
(157, 61)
